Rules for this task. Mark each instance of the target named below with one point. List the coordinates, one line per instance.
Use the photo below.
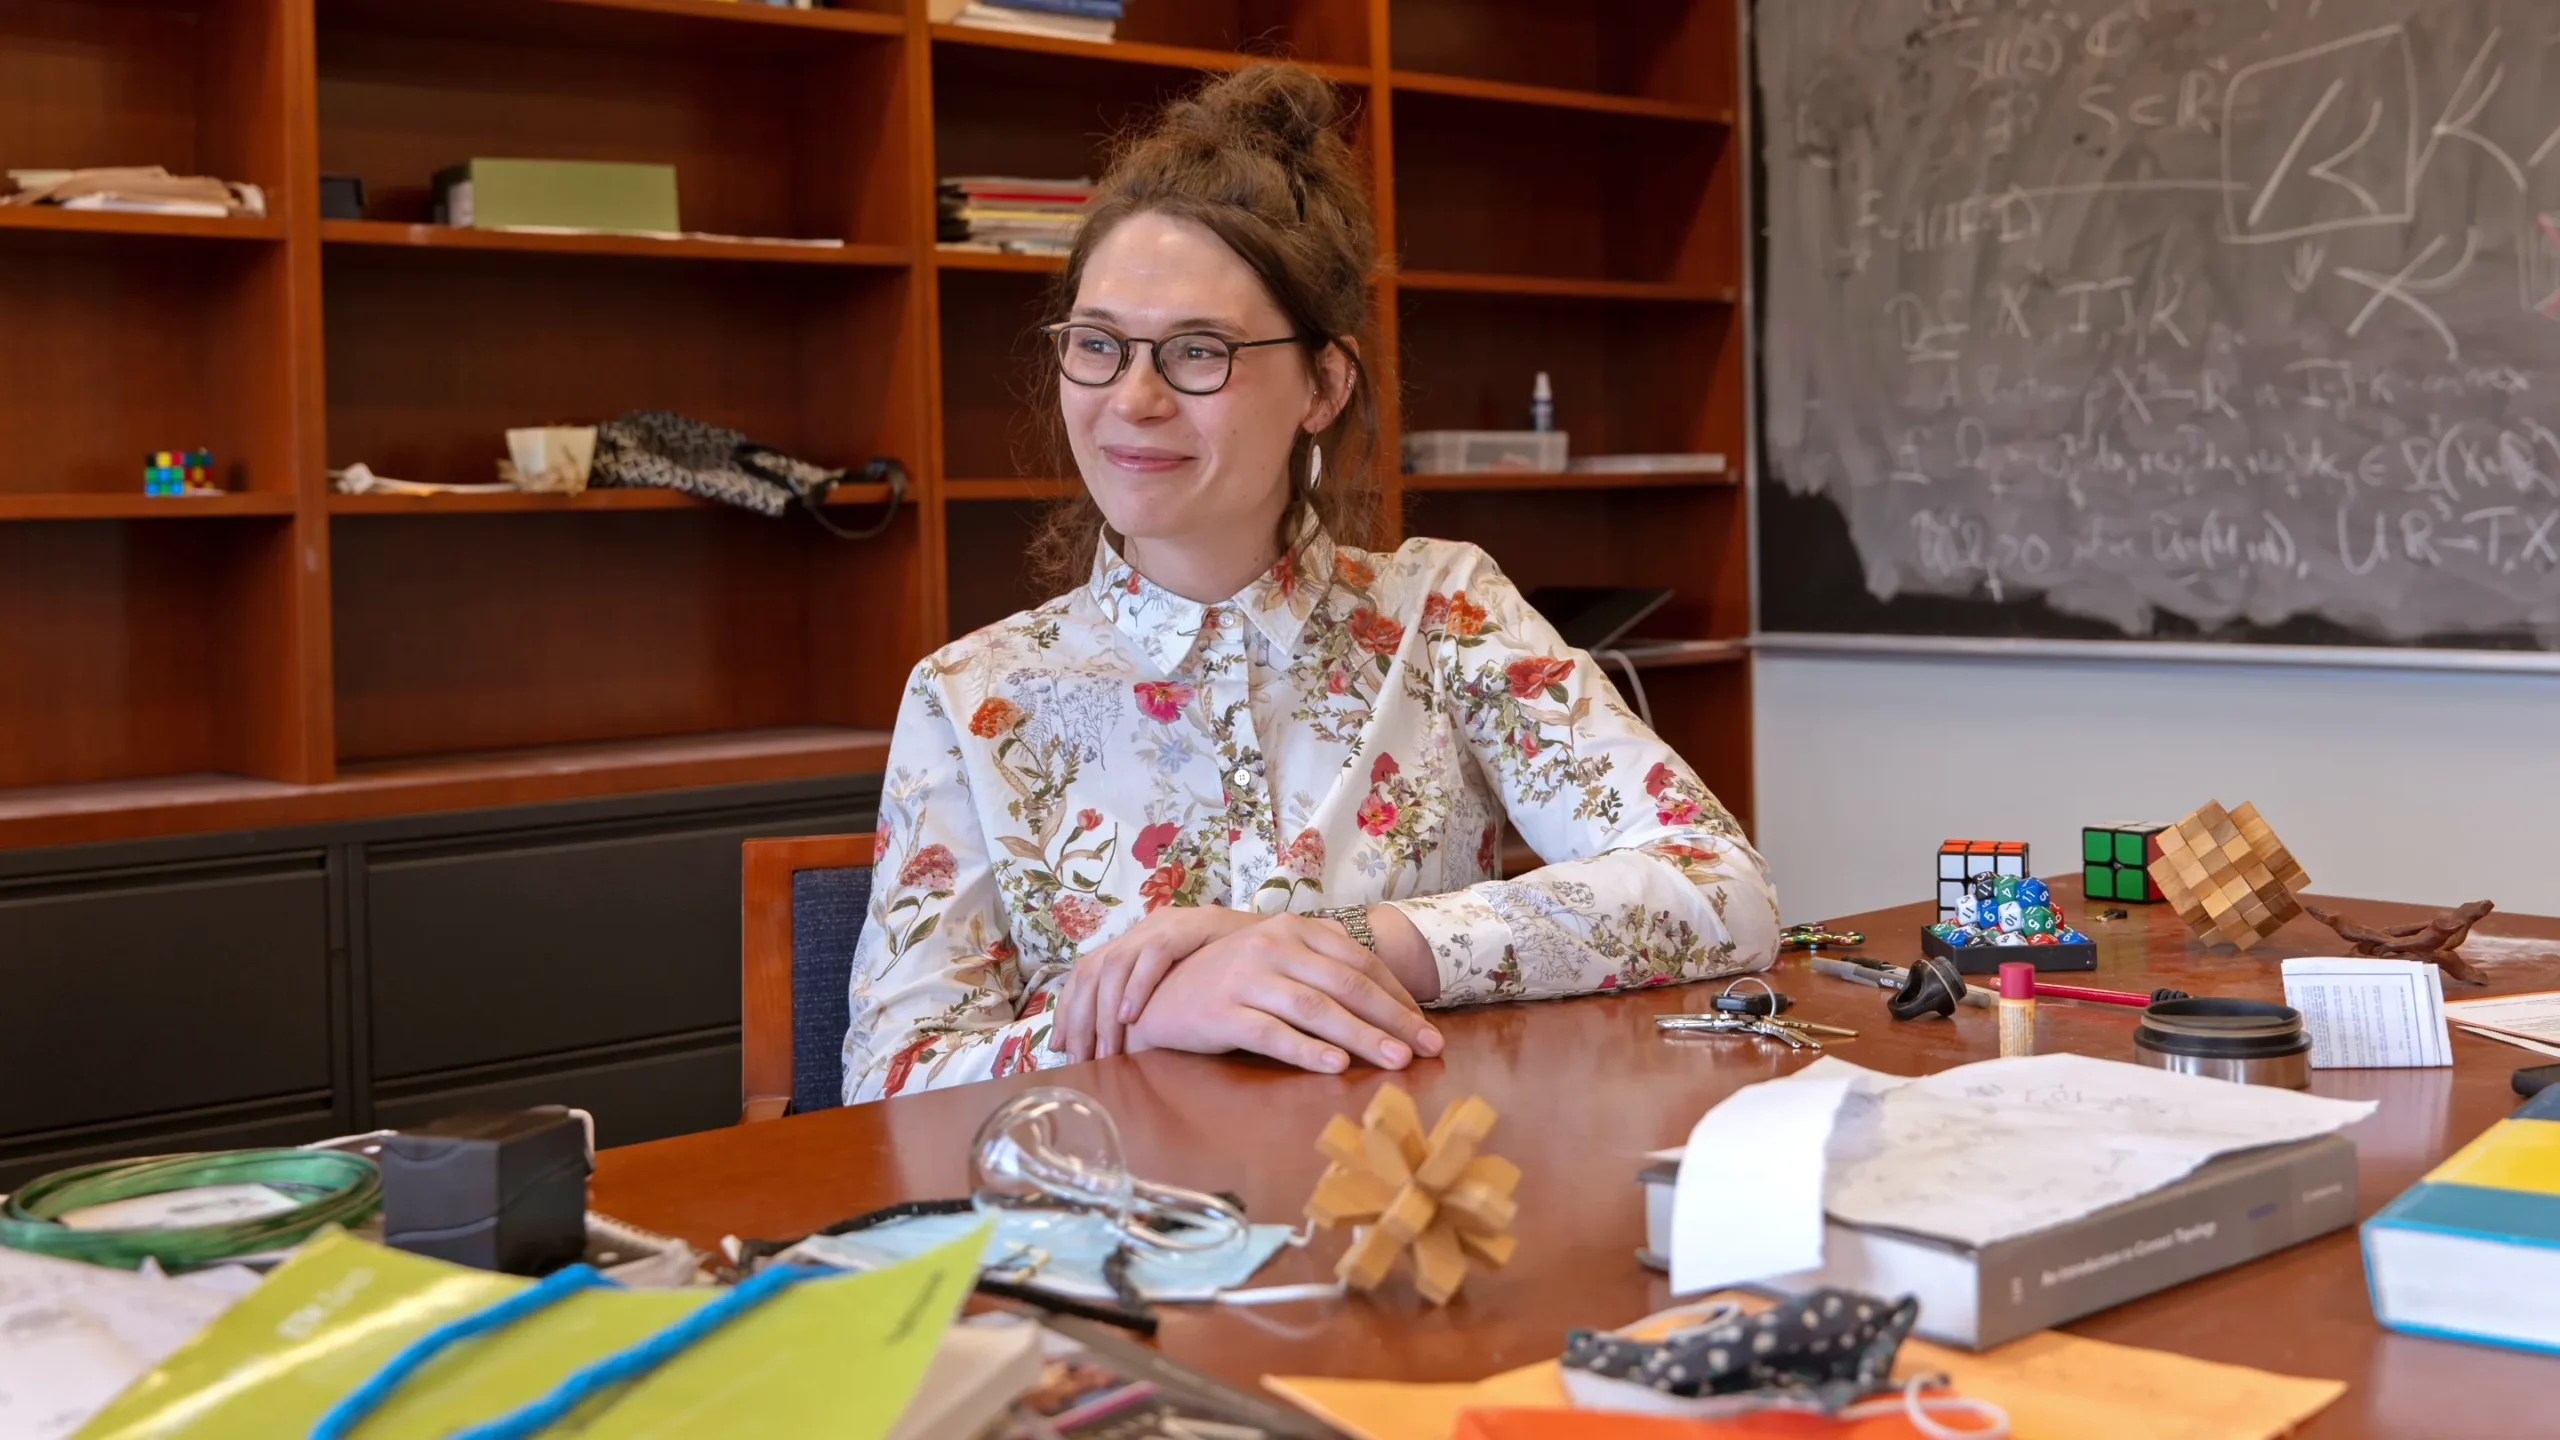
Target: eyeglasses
(1195, 363)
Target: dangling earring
(1315, 466)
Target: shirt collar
(1166, 627)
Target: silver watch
(1353, 918)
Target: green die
(2039, 920)
(2004, 888)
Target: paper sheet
(2054, 1387)
(73, 1335)
(2369, 1014)
(2518, 1041)
(2529, 1020)
(1749, 1201)
(1999, 1147)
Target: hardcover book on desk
(2230, 1211)
(2472, 1252)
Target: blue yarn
(625, 1366)
(360, 1403)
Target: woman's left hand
(1109, 987)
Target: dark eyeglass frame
(1155, 353)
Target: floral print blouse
(1350, 729)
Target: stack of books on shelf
(1006, 212)
(1061, 19)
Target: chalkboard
(2161, 319)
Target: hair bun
(1283, 110)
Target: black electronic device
(500, 1190)
(341, 197)
(1595, 617)
(2533, 1079)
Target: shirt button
(1243, 777)
(1270, 902)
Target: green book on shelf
(838, 1357)
(558, 194)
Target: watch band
(1353, 918)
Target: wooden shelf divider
(53, 219)
(1018, 489)
(1486, 480)
(952, 258)
(1130, 52)
(141, 507)
(1550, 97)
(523, 503)
(645, 247)
(1560, 287)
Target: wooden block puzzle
(1407, 1189)
(2227, 875)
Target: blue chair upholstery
(828, 908)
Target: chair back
(805, 903)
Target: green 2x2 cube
(2115, 861)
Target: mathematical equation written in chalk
(2234, 310)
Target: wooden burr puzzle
(1431, 1193)
(2227, 875)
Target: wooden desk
(1585, 1089)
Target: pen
(1888, 977)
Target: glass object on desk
(1055, 1152)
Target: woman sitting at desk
(1241, 787)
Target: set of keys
(1761, 1016)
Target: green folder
(837, 1357)
(489, 194)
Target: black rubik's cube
(1960, 860)
(2115, 861)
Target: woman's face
(1170, 467)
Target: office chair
(805, 902)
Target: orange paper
(2053, 1386)
(1588, 1425)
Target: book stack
(1060, 19)
(1009, 213)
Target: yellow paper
(2053, 1386)
(837, 1357)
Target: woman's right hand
(1108, 987)
(1296, 989)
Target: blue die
(2032, 892)
(1959, 937)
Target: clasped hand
(1212, 980)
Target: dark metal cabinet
(166, 989)
(276, 987)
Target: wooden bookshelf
(281, 654)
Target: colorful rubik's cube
(2115, 861)
(177, 472)
(1960, 860)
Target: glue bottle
(2017, 1008)
(1542, 405)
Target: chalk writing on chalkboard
(2166, 316)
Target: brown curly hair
(1256, 158)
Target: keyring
(1753, 980)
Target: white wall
(2393, 784)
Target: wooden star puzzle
(2227, 875)
(1430, 1192)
